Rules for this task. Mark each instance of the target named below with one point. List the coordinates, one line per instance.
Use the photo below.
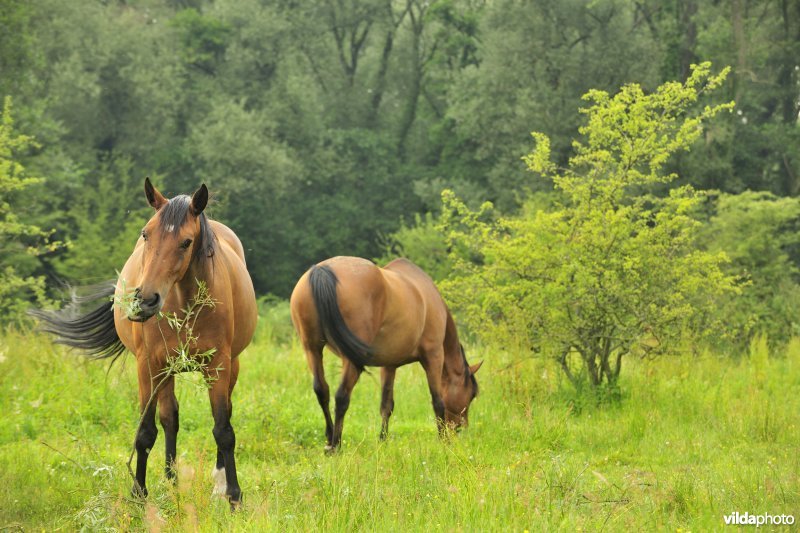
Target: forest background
(331, 127)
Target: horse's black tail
(323, 289)
(93, 332)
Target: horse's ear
(154, 198)
(199, 200)
(474, 368)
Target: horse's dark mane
(173, 215)
(468, 375)
(474, 385)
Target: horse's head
(177, 234)
(459, 393)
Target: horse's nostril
(150, 303)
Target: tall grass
(690, 440)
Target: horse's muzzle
(147, 308)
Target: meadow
(691, 439)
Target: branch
(565, 366)
(618, 364)
(70, 459)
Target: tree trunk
(740, 45)
(410, 111)
(687, 57)
(380, 80)
(787, 83)
(592, 368)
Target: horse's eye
(185, 244)
(144, 235)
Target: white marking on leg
(220, 482)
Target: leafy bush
(106, 225)
(424, 243)
(613, 270)
(19, 242)
(759, 232)
(274, 321)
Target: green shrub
(19, 242)
(758, 231)
(613, 270)
(274, 321)
(424, 243)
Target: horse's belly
(380, 359)
(393, 348)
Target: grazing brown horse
(178, 247)
(386, 317)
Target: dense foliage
(323, 128)
(759, 233)
(611, 269)
(20, 241)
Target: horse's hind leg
(387, 398)
(168, 415)
(314, 360)
(220, 483)
(350, 376)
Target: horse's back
(431, 306)
(226, 235)
(421, 281)
(397, 309)
(242, 293)
(360, 297)
(411, 271)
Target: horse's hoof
(235, 500)
(220, 482)
(330, 450)
(138, 492)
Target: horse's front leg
(220, 481)
(168, 414)
(220, 375)
(433, 362)
(147, 432)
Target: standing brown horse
(178, 248)
(385, 317)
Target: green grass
(691, 440)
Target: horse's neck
(198, 272)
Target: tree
(104, 224)
(353, 113)
(613, 269)
(536, 59)
(759, 233)
(18, 240)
